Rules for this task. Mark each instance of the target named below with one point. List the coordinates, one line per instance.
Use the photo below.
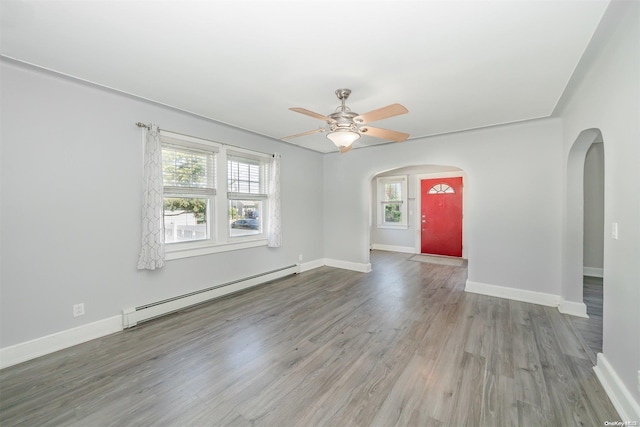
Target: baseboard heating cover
(132, 316)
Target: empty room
(317, 213)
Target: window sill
(394, 227)
(173, 252)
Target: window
(392, 198)
(441, 189)
(247, 197)
(198, 219)
(188, 175)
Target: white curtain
(274, 232)
(152, 249)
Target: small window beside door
(392, 201)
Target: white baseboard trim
(131, 316)
(628, 408)
(28, 350)
(32, 349)
(572, 308)
(347, 265)
(310, 265)
(593, 272)
(533, 297)
(391, 248)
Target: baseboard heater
(132, 316)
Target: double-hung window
(199, 220)
(247, 175)
(189, 187)
(392, 201)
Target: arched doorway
(405, 236)
(584, 231)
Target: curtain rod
(142, 125)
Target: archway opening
(583, 277)
(397, 226)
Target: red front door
(441, 216)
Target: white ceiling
(454, 64)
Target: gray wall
(71, 196)
(514, 210)
(605, 94)
(594, 207)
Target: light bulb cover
(343, 137)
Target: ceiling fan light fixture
(343, 137)
(342, 125)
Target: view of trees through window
(175, 206)
(189, 172)
(392, 211)
(193, 210)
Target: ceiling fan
(344, 126)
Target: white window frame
(382, 201)
(218, 211)
(263, 161)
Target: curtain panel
(152, 244)
(274, 232)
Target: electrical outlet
(78, 309)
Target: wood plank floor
(401, 346)
(590, 330)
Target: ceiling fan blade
(309, 132)
(381, 113)
(312, 114)
(345, 149)
(387, 134)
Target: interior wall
(514, 210)
(605, 94)
(71, 195)
(594, 207)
